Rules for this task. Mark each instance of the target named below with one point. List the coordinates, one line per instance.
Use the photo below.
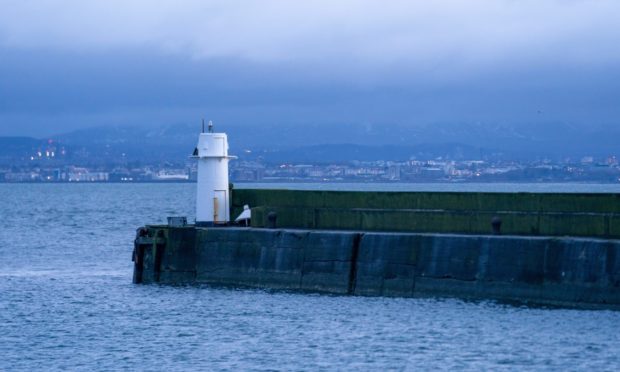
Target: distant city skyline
(73, 65)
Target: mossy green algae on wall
(596, 215)
(479, 201)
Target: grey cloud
(76, 63)
(362, 33)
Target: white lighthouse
(212, 194)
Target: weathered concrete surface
(543, 214)
(300, 260)
(575, 272)
(269, 259)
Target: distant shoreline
(501, 187)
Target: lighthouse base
(211, 224)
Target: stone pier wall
(574, 272)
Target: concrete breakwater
(565, 271)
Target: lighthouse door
(220, 214)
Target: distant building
(78, 174)
(171, 175)
(587, 160)
(393, 172)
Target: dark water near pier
(67, 302)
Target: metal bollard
(271, 220)
(496, 225)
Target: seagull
(245, 216)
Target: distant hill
(335, 142)
(341, 153)
(18, 146)
(16, 150)
(273, 143)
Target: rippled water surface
(67, 302)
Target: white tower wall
(212, 194)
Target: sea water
(67, 302)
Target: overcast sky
(74, 64)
